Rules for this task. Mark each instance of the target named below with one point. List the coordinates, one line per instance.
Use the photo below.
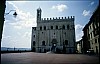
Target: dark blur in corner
(2, 11)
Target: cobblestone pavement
(44, 58)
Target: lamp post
(15, 14)
(2, 14)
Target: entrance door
(54, 44)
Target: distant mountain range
(5, 48)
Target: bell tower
(39, 14)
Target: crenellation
(62, 17)
(50, 18)
(56, 17)
(47, 18)
(53, 17)
(44, 18)
(71, 17)
(65, 17)
(59, 18)
(68, 17)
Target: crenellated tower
(39, 14)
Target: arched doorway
(54, 44)
(43, 43)
(43, 47)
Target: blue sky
(17, 31)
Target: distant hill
(5, 48)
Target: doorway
(54, 44)
(96, 50)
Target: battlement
(59, 18)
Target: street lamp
(15, 14)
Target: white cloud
(24, 23)
(27, 34)
(78, 31)
(92, 3)
(86, 13)
(60, 7)
(78, 26)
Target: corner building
(91, 38)
(53, 34)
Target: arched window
(66, 42)
(43, 43)
(68, 27)
(34, 36)
(40, 27)
(33, 43)
(44, 27)
(51, 27)
(56, 27)
(63, 27)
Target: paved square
(44, 58)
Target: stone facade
(53, 34)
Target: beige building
(92, 33)
(53, 34)
(80, 46)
